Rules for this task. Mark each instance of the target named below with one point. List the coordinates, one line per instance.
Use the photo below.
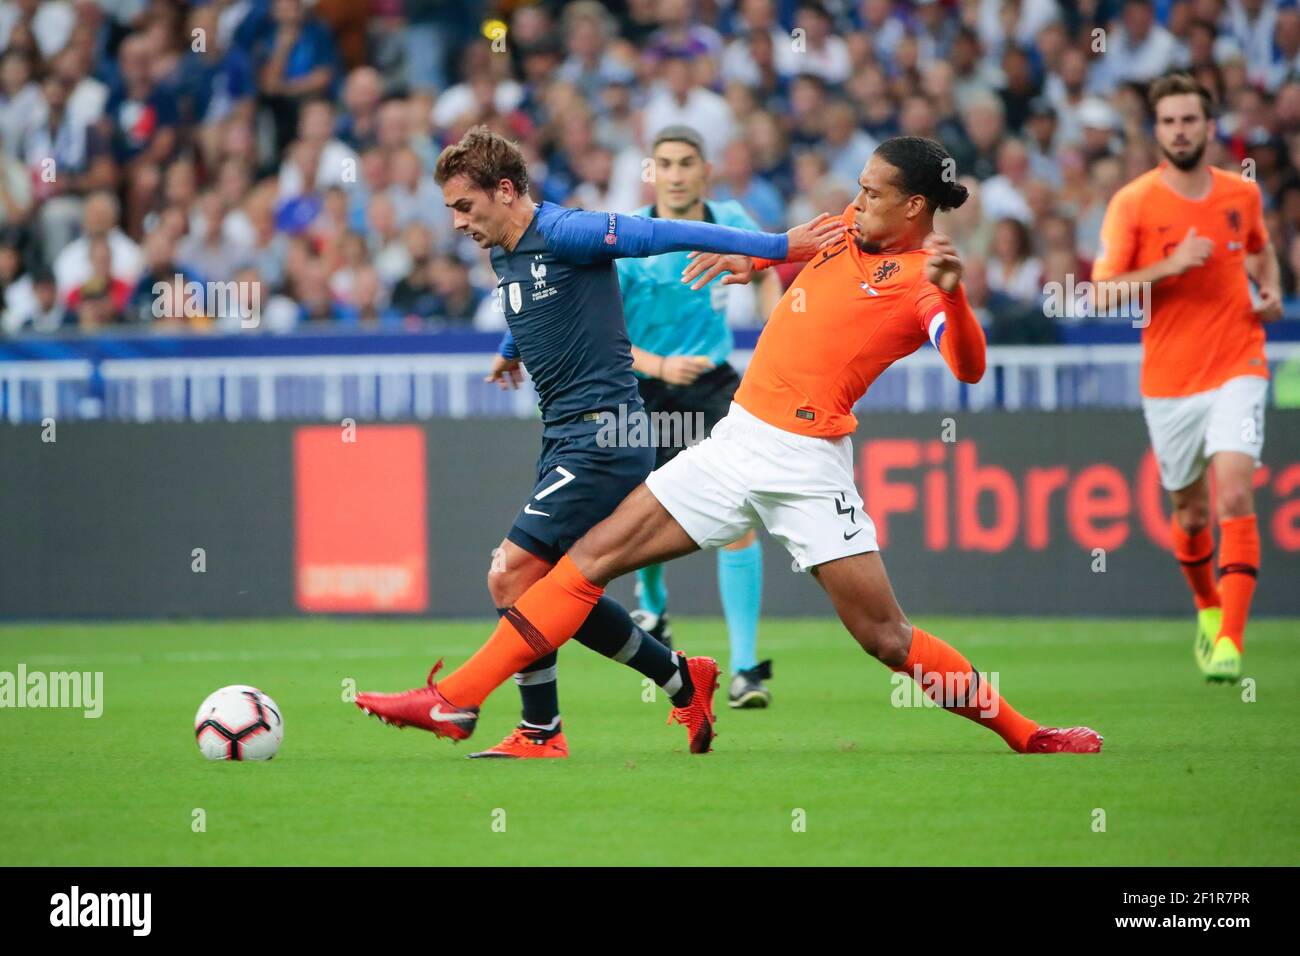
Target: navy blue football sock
(609, 630)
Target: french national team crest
(516, 298)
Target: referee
(680, 344)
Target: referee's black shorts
(709, 395)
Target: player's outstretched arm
(951, 324)
(591, 236)
(806, 240)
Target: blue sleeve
(588, 236)
(507, 348)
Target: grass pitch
(1191, 774)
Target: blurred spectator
(846, 147)
(819, 52)
(207, 252)
(1013, 270)
(50, 23)
(1138, 48)
(336, 162)
(677, 99)
(1003, 195)
(747, 58)
(413, 296)
(160, 268)
(99, 221)
(883, 25)
(736, 180)
(458, 300)
(101, 299)
(216, 81)
(414, 195)
(433, 30)
(15, 189)
(294, 141)
(588, 29)
(296, 59)
(362, 91)
(970, 229)
(30, 303)
(20, 100)
(390, 248)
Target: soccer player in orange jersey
(1194, 234)
(783, 457)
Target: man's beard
(1187, 162)
(870, 246)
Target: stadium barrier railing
(420, 376)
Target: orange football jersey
(846, 318)
(1202, 328)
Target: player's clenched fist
(943, 268)
(683, 369)
(1268, 306)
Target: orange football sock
(949, 679)
(549, 613)
(1195, 552)
(1238, 569)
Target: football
(238, 723)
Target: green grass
(1191, 774)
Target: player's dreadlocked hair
(924, 169)
(485, 158)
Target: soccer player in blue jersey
(559, 289)
(680, 346)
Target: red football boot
(697, 716)
(1064, 740)
(423, 707)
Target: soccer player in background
(680, 345)
(1195, 234)
(559, 289)
(784, 457)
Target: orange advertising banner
(360, 535)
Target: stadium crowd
(291, 143)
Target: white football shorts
(1186, 431)
(747, 472)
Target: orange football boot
(697, 716)
(525, 743)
